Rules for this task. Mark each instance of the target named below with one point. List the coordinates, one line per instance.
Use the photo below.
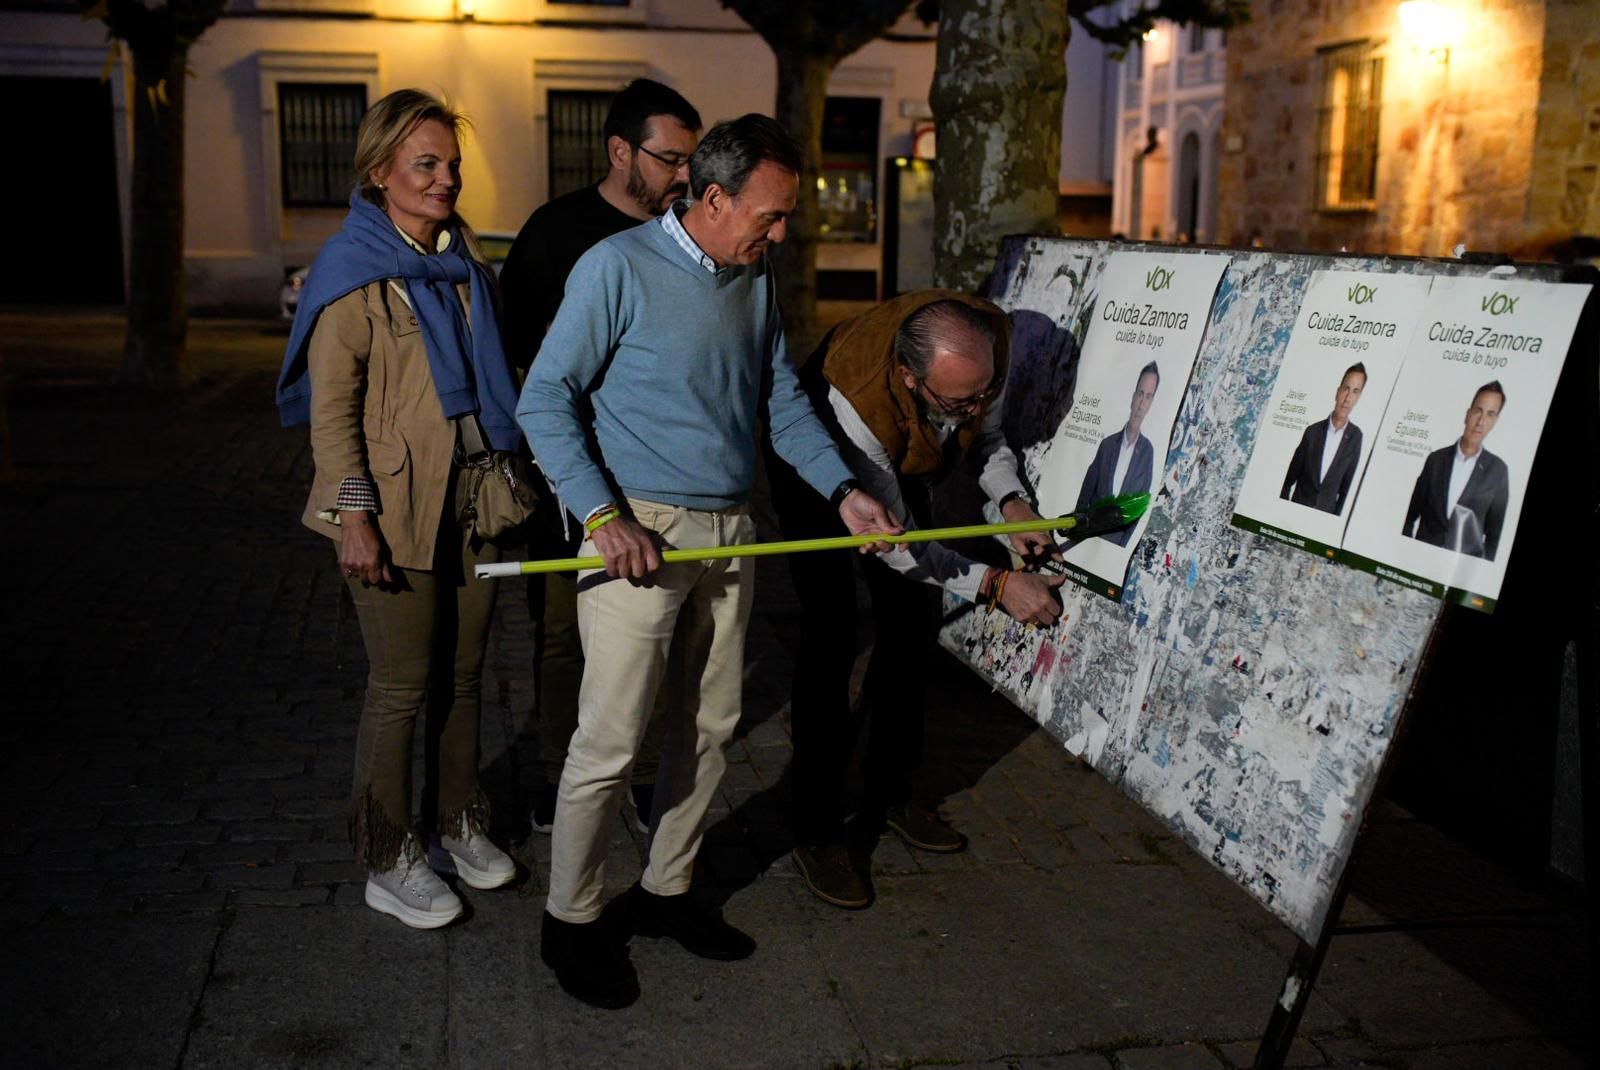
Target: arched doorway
(1189, 187)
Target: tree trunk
(998, 87)
(802, 92)
(154, 356)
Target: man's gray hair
(732, 150)
(935, 325)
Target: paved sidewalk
(176, 890)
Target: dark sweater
(535, 272)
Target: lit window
(317, 137)
(577, 152)
(1347, 158)
(847, 194)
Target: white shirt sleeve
(926, 562)
(999, 475)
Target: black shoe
(832, 876)
(636, 807)
(695, 924)
(643, 796)
(920, 826)
(543, 818)
(590, 964)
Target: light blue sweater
(677, 363)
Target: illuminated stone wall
(1488, 141)
(1565, 199)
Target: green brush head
(1109, 514)
(1132, 506)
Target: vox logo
(1498, 304)
(1361, 293)
(1158, 279)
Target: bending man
(910, 390)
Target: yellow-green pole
(1104, 515)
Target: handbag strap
(471, 449)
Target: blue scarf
(369, 248)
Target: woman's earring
(381, 186)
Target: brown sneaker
(832, 876)
(920, 826)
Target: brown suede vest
(860, 364)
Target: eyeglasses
(963, 406)
(674, 161)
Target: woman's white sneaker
(479, 863)
(413, 893)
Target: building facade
(1168, 135)
(1414, 127)
(278, 85)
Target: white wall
(1087, 155)
(1178, 93)
(497, 67)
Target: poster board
(1241, 690)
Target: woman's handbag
(502, 496)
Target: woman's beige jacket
(375, 412)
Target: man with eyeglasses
(910, 390)
(650, 132)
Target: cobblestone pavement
(176, 889)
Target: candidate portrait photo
(1459, 500)
(1324, 463)
(1125, 461)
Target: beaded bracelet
(986, 589)
(997, 588)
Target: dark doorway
(71, 234)
(1189, 188)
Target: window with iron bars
(1347, 139)
(317, 141)
(577, 151)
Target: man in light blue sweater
(671, 331)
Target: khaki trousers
(425, 638)
(558, 657)
(627, 635)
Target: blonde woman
(394, 360)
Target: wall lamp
(1430, 25)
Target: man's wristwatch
(1011, 497)
(842, 491)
